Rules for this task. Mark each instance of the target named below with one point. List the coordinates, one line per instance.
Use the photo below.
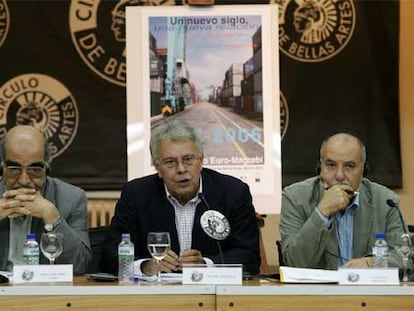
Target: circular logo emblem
(42, 102)
(315, 30)
(284, 115)
(98, 33)
(353, 277)
(27, 275)
(215, 225)
(4, 21)
(196, 276)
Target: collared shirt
(344, 230)
(184, 218)
(184, 221)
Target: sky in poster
(211, 49)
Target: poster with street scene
(215, 68)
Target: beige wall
(271, 232)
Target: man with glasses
(31, 201)
(330, 220)
(170, 201)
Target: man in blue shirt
(331, 220)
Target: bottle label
(31, 252)
(31, 256)
(126, 251)
(380, 251)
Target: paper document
(165, 277)
(303, 275)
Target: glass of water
(51, 245)
(158, 245)
(404, 249)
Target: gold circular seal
(42, 102)
(4, 21)
(98, 33)
(315, 30)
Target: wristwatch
(51, 227)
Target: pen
(350, 192)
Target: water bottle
(125, 259)
(31, 250)
(380, 251)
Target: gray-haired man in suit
(31, 201)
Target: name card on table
(213, 274)
(357, 276)
(24, 274)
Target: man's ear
(202, 160)
(157, 166)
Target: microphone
(391, 203)
(214, 224)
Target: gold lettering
(53, 147)
(113, 68)
(63, 138)
(341, 38)
(88, 41)
(96, 52)
(86, 14)
(293, 47)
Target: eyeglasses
(187, 160)
(32, 171)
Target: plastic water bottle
(31, 250)
(380, 251)
(125, 259)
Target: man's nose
(180, 166)
(340, 173)
(24, 178)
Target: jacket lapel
(200, 238)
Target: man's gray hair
(175, 131)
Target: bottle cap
(31, 236)
(380, 235)
(125, 236)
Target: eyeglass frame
(41, 167)
(173, 163)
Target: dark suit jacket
(144, 207)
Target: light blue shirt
(344, 230)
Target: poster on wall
(215, 68)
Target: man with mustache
(32, 201)
(170, 201)
(331, 220)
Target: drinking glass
(403, 248)
(158, 245)
(51, 245)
